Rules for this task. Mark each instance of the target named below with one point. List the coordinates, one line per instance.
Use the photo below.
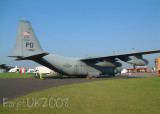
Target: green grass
(27, 75)
(16, 75)
(138, 95)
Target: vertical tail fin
(26, 42)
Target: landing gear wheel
(90, 77)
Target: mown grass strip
(138, 95)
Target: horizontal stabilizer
(33, 57)
(15, 56)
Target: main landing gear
(89, 77)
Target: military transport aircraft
(27, 47)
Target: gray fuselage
(74, 66)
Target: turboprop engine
(118, 70)
(107, 63)
(136, 60)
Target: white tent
(43, 70)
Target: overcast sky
(75, 28)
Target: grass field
(16, 75)
(25, 75)
(136, 95)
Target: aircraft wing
(119, 56)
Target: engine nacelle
(109, 64)
(136, 60)
(118, 70)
